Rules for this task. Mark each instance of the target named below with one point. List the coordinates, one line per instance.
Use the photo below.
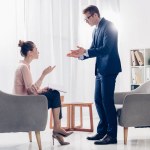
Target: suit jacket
(105, 48)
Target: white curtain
(56, 26)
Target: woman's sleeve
(27, 79)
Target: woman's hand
(45, 72)
(48, 70)
(33, 90)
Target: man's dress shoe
(97, 136)
(106, 140)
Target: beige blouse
(23, 84)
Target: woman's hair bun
(20, 44)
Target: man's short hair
(91, 9)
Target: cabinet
(140, 66)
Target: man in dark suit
(104, 48)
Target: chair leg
(38, 138)
(81, 117)
(68, 117)
(125, 135)
(91, 118)
(30, 136)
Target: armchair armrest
(135, 111)
(22, 113)
(120, 96)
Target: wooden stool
(80, 127)
(71, 116)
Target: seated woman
(23, 85)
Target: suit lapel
(96, 34)
(97, 31)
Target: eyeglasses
(87, 18)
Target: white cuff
(81, 57)
(86, 53)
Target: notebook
(57, 87)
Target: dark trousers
(53, 97)
(104, 101)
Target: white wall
(55, 26)
(134, 33)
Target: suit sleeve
(109, 39)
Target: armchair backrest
(144, 88)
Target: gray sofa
(23, 114)
(133, 108)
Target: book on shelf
(137, 75)
(139, 57)
(134, 61)
(133, 76)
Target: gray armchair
(135, 108)
(23, 114)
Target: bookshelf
(140, 66)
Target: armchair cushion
(135, 111)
